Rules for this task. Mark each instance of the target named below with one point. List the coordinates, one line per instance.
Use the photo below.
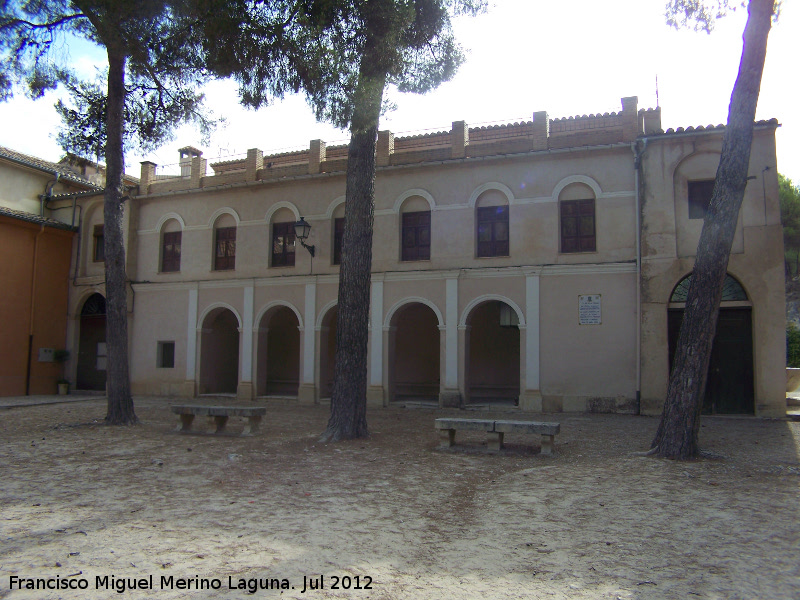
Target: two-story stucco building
(36, 244)
(539, 264)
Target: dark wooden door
(729, 385)
(91, 373)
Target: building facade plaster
(458, 327)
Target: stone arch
(278, 347)
(333, 206)
(168, 216)
(220, 327)
(577, 214)
(225, 210)
(281, 218)
(277, 303)
(170, 239)
(730, 380)
(491, 185)
(91, 363)
(732, 289)
(708, 156)
(584, 179)
(335, 217)
(692, 184)
(485, 298)
(414, 351)
(215, 305)
(279, 205)
(91, 218)
(323, 312)
(577, 190)
(224, 233)
(409, 300)
(413, 209)
(492, 351)
(398, 203)
(84, 296)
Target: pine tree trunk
(120, 403)
(677, 435)
(348, 418)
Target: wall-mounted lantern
(301, 231)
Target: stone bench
(496, 430)
(220, 414)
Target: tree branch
(11, 23)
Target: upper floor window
(416, 235)
(578, 226)
(283, 244)
(99, 254)
(338, 237)
(492, 225)
(225, 248)
(171, 252)
(700, 198)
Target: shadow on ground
(596, 520)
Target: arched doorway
(327, 351)
(91, 373)
(492, 354)
(219, 353)
(278, 362)
(730, 382)
(414, 354)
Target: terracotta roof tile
(44, 165)
(31, 218)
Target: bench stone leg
(447, 437)
(547, 444)
(185, 422)
(495, 439)
(252, 425)
(220, 423)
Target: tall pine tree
(153, 72)
(343, 55)
(677, 435)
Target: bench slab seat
(220, 414)
(496, 430)
(465, 424)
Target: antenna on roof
(656, 90)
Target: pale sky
(524, 56)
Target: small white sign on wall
(589, 310)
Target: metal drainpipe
(48, 193)
(33, 309)
(637, 164)
(78, 247)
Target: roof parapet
(462, 141)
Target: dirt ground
(392, 514)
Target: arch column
(190, 385)
(307, 392)
(319, 336)
(73, 341)
(262, 358)
(463, 357)
(450, 394)
(389, 334)
(325, 338)
(245, 389)
(376, 393)
(530, 396)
